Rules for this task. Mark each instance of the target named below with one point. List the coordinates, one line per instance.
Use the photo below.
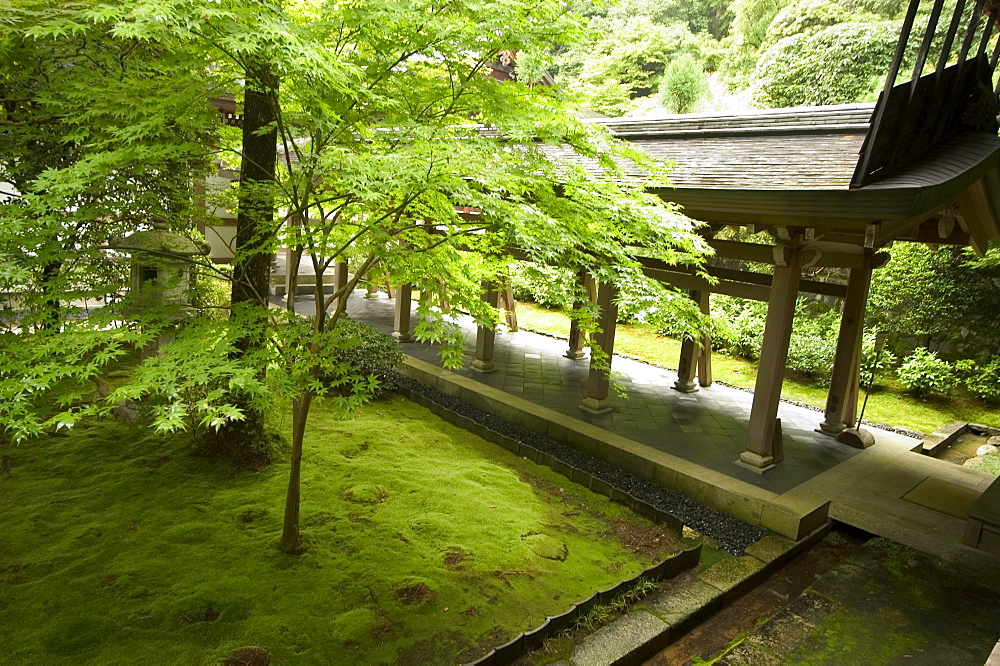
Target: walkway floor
(866, 488)
(708, 427)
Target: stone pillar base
(484, 366)
(685, 387)
(575, 354)
(755, 462)
(595, 406)
(402, 337)
(831, 428)
(856, 437)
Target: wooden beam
(764, 254)
(977, 210)
(697, 283)
(732, 282)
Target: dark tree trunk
(255, 216)
(51, 315)
(247, 439)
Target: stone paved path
(707, 427)
(885, 604)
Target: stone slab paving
(885, 604)
(707, 428)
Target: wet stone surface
(885, 604)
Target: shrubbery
(684, 84)
(924, 373)
(984, 381)
(366, 349)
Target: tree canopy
(386, 117)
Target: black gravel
(733, 534)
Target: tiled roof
(778, 149)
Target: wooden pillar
(851, 407)
(401, 320)
(705, 352)
(598, 382)
(340, 280)
(763, 430)
(687, 364)
(841, 401)
(576, 341)
(486, 336)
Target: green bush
(837, 65)
(924, 373)
(371, 351)
(211, 297)
(738, 326)
(805, 17)
(984, 381)
(683, 85)
(811, 354)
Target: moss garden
(425, 544)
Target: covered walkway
(689, 441)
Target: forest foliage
(764, 53)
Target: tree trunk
(252, 263)
(255, 215)
(290, 539)
(51, 315)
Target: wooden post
(340, 280)
(401, 320)
(576, 341)
(845, 376)
(851, 406)
(486, 336)
(687, 364)
(509, 304)
(705, 352)
(598, 382)
(759, 453)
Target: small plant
(990, 463)
(683, 85)
(924, 373)
(873, 364)
(811, 354)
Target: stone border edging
(734, 534)
(672, 566)
(668, 615)
(531, 640)
(525, 450)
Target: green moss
(117, 546)
(846, 637)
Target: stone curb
(669, 615)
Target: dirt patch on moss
(454, 557)
(248, 657)
(411, 595)
(652, 541)
(646, 540)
